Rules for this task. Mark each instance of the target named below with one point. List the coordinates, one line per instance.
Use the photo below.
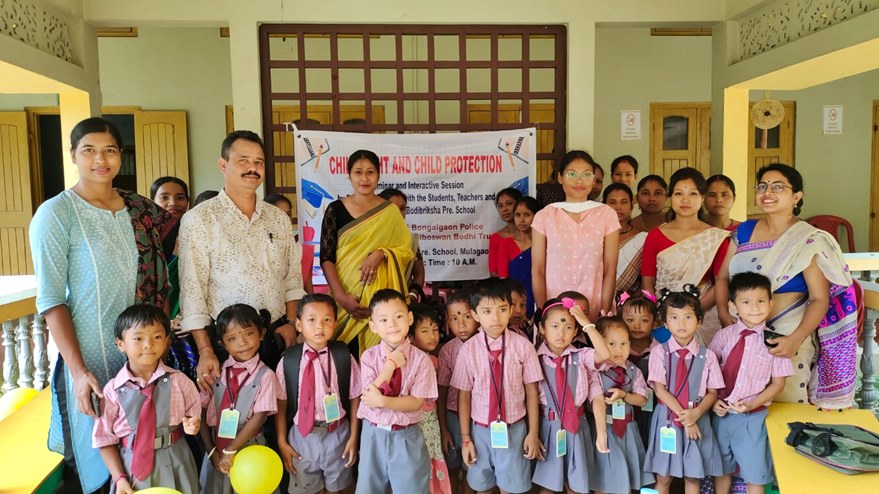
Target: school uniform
(319, 442)
(748, 369)
(392, 448)
(495, 372)
(566, 387)
(249, 387)
(644, 415)
(448, 354)
(690, 375)
(620, 471)
(129, 402)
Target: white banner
(450, 181)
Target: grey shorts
(395, 459)
(743, 443)
(321, 465)
(508, 468)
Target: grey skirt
(620, 471)
(695, 459)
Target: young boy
(753, 377)
(497, 375)
(461, 325)
(320, 393)
(520, 322)
(397, 378)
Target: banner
(450, 181)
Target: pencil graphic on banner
(515, 147)
(315, 147)
(510, 154)
(320, 151)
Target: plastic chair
(831, 225)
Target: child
(424, 334)
(580, 340)
(242, 397)
(685, 377)
(520, 320)
(752, 377)
(639, 312)
(149, 397)
(461, 324)
(397, 379)
(622, 390)
(319, 395)
(497, 375)
(568, 381)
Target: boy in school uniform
(319, 395)
(753, 377)
(397, 378)
(497, 375)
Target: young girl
(517, 254)
(567, 371)
(621, 449)
(520, 321)
(245, 394)
(641, 316)
(685, 377)
(424, 334)
(147, 394)
(505, 201)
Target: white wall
(175, 69)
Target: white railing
(25, 354)
(865, 267)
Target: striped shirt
(448, 355)
(266, 399)
(587, 386)
(419, 380)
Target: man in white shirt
(235, 248)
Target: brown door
(679, 137)
(874, 180)
(775, 145)
(16, 209)
(161, 147)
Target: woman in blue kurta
(97, 250)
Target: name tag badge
(228, 423)
(608, 418)
(648, 407)
(331, 407)
(561, 443)
(499, 437)
(668, 440)
(618, 410)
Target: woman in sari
(518, 252)
(619, 197)
(97, 250)
(813, 303)
(365, 246)
(502, 240)
(686, 250)
(719, 200)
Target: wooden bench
(28, 465)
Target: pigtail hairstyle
(678, 300)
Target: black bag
(848, 449)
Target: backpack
(341, 357)
(848, 449)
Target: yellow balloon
(159, 490)
(256, 470)
(15, 399)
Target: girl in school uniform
(641, 316)
(245, 394)
(685, 377)
(623, 390)
(568, 463)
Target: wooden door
(161, 147)
(16, 209)
(777, 147)
(512, 113)
(679, 137)
(874, 180)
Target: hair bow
(566, 302)
(644, 293)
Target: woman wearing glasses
(575, 244)
(813, 302)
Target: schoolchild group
(570, 405)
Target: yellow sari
(381, 228)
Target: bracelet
(120, 477)
(466, 441)
(213, 450)
(205, 346)
(586, 327)
(229, 452)
(465, 435)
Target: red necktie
(395, 385)
(732, 364)
(234, 385)
(496, 396)
(306, 396)
(619, 425)
(143, 448)
(682, 383)
(569, 415)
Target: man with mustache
(235, 248)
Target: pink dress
(575, 250)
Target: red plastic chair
(831, 225)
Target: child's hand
(693, 432)
(350, 452)
(372, 397)
(124, 487)
(743, 406)
(468, 453)
(224, 462)
(689, 416)
(446, 442)
(721, 408)
(288, 454)
(398, 356)
(580, 316)
(533, 447)
(615, 394)
(191, 425)
(601, 441)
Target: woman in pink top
(575, 244)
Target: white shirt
(227, 259)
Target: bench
(28, 465)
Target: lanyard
(497, 383)
(683, 383)
(229, 388)
(329, 371)
(552, 395)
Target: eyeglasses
(572, 176)
(775, 187)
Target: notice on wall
(832, 119)
(450, 180)
(630, 125)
